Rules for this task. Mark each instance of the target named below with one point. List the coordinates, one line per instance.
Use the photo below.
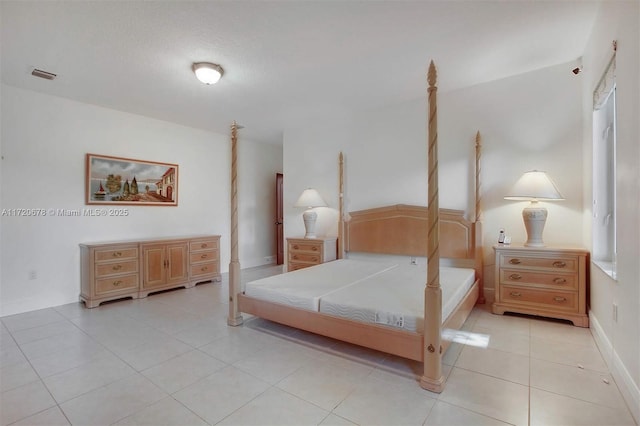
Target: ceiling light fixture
(207, 72)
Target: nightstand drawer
(305, 246)
(295, 266)
(553, 299)
(539, 279)
(304, 257)
(568, 263)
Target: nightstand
(305, 252)
(547, 281)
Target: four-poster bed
(312, 299)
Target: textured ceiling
(284, 61)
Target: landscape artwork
(115, 180)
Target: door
(279, 221)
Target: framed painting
(116, 180)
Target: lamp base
(309, 217)
(534, 219)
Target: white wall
(619, 340)
(531, 121)
(44, 142)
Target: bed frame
(389, 230)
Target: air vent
(43, 74)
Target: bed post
(478, 225)
(235, 317)
(341, 204)
(432, 378)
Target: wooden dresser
(305, 252)
(547, 281)
(120, 269)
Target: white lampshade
(534, 186)
(309, 199)
(207, 72)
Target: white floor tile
(577, 383)
(166, 412)
(25, 401)
(333, 420)
(549, 409)
(273, 364)
(376, 402)
(588, 357)
(444, 414)
(113, 402)
(278, 408)
(496, 398)
(50, 417)
(183, 370)
(220, 394)
(153, 353)
(502, 365)
(17, 375)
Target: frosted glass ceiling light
(207, 72)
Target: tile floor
(170, 359)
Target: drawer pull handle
(559, 264)
(515, 294)
(559, 299)
(203, 256)
(117, 283)
(559, 280)
(295, 247)
(117, 254)
(295, 256)
(203, 245)
(314, 259)
(314, 248)
(117, 267)
(514, 261)
(515, 276)
(204, 269)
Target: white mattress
(304, 288)
(396, 297)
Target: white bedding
(396, 298)
(384, 290)
(304, 288)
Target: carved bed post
(341, 204)
(235, 318)
(478, 223)
(432, 378)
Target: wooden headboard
(402, 229)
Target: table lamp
(534, 186)
(309, 199)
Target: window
(604, 172)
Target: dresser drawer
(106, 269)
(556, 263)
(203, 245)
(116, 254)
(203, 256)
(539, 279)
(207, 268)
(554, 299)
(118, 283)
(305, 246)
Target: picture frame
(127, 181)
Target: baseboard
(628, 388)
